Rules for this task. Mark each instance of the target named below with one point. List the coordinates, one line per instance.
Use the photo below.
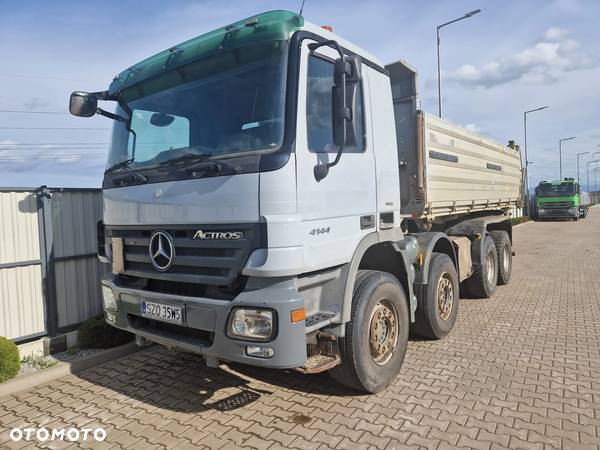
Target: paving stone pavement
(521, 370)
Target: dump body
(446, 169)
(465, 171)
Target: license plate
(158, 311)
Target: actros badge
(222, 235)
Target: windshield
(557, 190)
(231, 103)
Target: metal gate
(49, 272)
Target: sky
(514, 56)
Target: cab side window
(319, 109)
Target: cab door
(338, 211)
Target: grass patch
(518, 220)
(39, 362)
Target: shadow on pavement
(174, 380)
(180, 381)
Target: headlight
(109, 298)
(251, 324)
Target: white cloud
(18, 158)
(544, 62)
(555, 34)
(473, 127)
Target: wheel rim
(506, 259)
(490, 267)
(383, 333)
(445, 297)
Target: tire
(437, 301)
(504, 251)
(365, 367)
(482, 283)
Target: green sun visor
(269, 26)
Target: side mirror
(344, 125)
(83, 104)
(344, 100)
(320, 171)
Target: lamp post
(560, 141)
(578, 155)
(526, 157)
(588, 168)
(466, 16)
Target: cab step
(320, 320)
(319, 363)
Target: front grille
(195, 290)
(198, 265)
(193, 336)
(556, 204)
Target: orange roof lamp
(327, 27)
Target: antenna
(301, 8)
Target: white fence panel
(21, 299)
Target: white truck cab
(274, 197)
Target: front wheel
(373, 349)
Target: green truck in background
(561, 199)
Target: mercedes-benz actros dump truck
(274, 196)
(561, 199)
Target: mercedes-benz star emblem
(162, 250)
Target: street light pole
(526, 156)
(588, 169)
(578, 155)
(560, 141)
(439, 73)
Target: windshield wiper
(188, 157)
(215, 166)
(120, 165)
(129, 177)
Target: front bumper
(209, 318)
(558, 212)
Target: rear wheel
(504, 251)
(482, 283)
(437, 301)
(373, 349)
